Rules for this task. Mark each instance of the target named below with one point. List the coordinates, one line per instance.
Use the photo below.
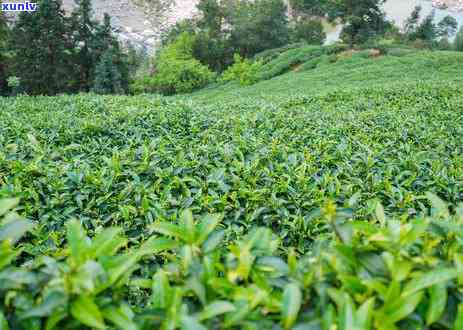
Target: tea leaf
(87, 312)
(291, 304)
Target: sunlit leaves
(87, 312)
(291, 304)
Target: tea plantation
(318, 200)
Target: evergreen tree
(108, 78)
(4, 35)
(257, 25)
(412, 22)
(103, 38)
(362, 19)
(212, 17)
(317, 8)
(426, 30)
(111, 74)
(447, 27)
(84, 34)
(310, 31)
(43, 49)
(458, 43)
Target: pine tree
(412, 22)
(103, 38)
(43, 49)
(84, 34)
(4, 35)
(108, 78)
(111, 62)
(447, 27)
(458, 43)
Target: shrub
(244, 71)
(181, 76)
(176, 70)
(175, 76)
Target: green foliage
(367, 276)
(223, 29)
(176, 70)
(84, 37)
(213, 51)
(311, 7)
(180, 49)
(182, 26)
(42, 49)
(57, 53)
(240, 208)
(4, 39)
(427, 31)
(310, 31)
(301, 58)
(108, 76)
(181, 76)
(270, 54)
(257, 25)
(243, 70)
(362, 19)
(447, 27)
(458, 42)
(14, 84)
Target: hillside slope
(351, 72)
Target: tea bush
(241, 209)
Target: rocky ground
(141, 21)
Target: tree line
(48, 52)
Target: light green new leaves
(216, 308)
(13, 227)
(437, 302)
(121, 316)
(429, 279)
(400, 308)
(187, 230)
(79, 243)
(86, 311)
(7, 204)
